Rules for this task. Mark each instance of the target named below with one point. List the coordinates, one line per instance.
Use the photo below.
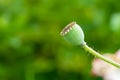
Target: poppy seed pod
(73, 34)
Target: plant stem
(98, 55)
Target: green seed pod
(73, 34)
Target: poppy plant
(73, 34)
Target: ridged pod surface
(73, 34)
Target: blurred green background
(31, 47)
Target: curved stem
(98, 55)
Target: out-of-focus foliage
(32, 49)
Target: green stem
(93, 52)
